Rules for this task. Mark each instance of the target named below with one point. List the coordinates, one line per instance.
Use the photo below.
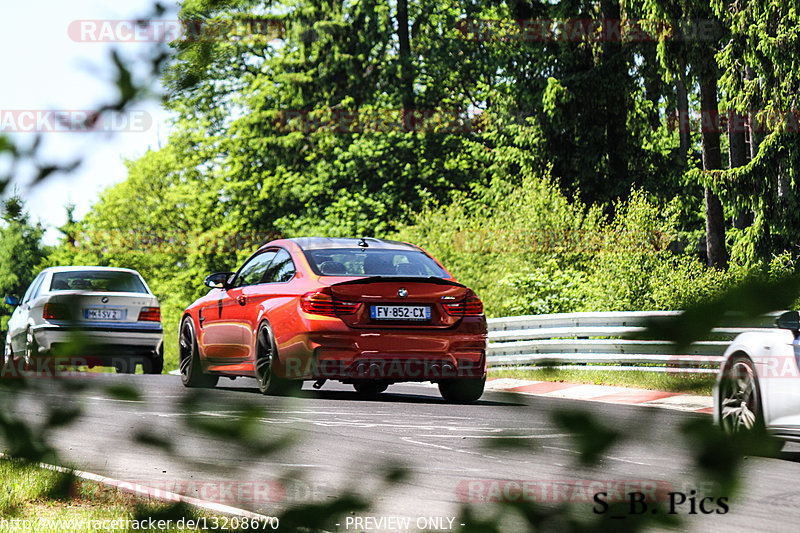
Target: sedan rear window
(373, 262)
(97, 280)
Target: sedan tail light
(472, 306)
(320, 303)
(150, 314)
(55, 311)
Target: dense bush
(531, 250)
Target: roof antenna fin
(363, 243)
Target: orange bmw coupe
(368, 312)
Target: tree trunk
(752, 124)
(737, 157)
(716, 253)
(615, 104)
(683, 114)
(406, 73)
(753, 132)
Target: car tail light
(472, 306)
(319, 303)
(55, 311)
(150, 314)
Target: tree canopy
(412, 117)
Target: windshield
(97, 280)
(367, 262)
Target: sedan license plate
(104, 314)
(400, 312)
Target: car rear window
(97, 280)
(373, 262)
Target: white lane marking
(412, 441)
(448, 448)
(338, 412)
(108, 399)
(354, 423)
(553, 436)
(621, 460)
(609, 457)
(372, 425)
(683, 402)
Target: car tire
(189, 359)
(466, 390)
(740, 398)
(31, 351)
(125, 367)
(8, 356)
(266, 354)
(155, 364)
(370, 387)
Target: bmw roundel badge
(402, 293)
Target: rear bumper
(399, 368)
(393, 355)
(100, 338)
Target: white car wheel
(8, 355)
(740, 401)
(31, 350)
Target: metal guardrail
(605, 339)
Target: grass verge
(701, 384)
(38, 499)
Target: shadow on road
(386, 397)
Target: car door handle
(242, 300)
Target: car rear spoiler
(406, 279)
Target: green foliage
(637, 268)
(21, 252)
(548, 288)
(529, 250)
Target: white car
(98, 316)
(759, 381)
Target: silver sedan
(95, 316)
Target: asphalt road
(341, 441)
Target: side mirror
(218, 280)
(13, 301)
(789, 320)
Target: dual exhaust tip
(435, 369)
(364, 368)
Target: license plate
(105, 314)
(400, 312)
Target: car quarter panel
(775, 356)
